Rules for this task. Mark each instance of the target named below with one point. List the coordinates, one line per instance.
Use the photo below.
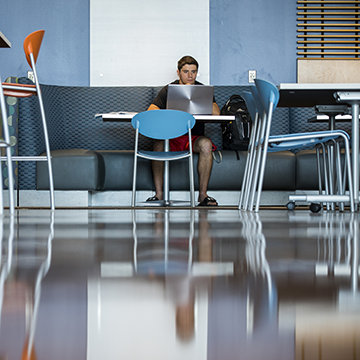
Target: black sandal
(208, 200)
(153, 198)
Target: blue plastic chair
(254, 114)
(6, 144)
(265, 97)
(163, 125)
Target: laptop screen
(194, 99)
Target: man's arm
(153, 107)
(215, 109)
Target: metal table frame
(309, 95)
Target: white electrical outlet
(30, 75)
(252, 76)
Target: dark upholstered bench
(78, 169)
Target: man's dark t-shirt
(160, 102)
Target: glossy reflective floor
(179, 284)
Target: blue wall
(65, 51)
(244, 35)
(252, 35)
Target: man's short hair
(187, 60)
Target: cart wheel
(290, 205)
(315, 208)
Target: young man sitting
(187, 72)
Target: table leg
(355, 150)
(332, 122)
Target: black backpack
(236, 134)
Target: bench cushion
(119, 167)
(79, 169)
(73, 169)
(227, 172)
(306, 170)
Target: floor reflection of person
(183, 287)
(180, 289)
(205, 241)
(169, 258)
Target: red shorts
(181, 143)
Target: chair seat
(19, 90)
(299, 140)
(320, 134)
(291, 142)
(163, 155)
(279, 145)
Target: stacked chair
(261, 102)
(32, 44)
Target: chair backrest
(32, 44)
(250, 104)
(268, 93)
(163, 124)
(256, 98)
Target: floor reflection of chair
(5, 261)
(20, 263)
(257, 266)
(330, 329)
(338, 238)
(354, 226)
(255, 247)
(43, 270)
(161, 252)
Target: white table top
(127, 116)
(315, 86)
(309, 95)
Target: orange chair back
(32, 45)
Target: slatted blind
(328, 29)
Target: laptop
(194, 99)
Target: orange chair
(32, 45)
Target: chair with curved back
(265, 97)
(163, 125)
(6, 144)
(32, 44)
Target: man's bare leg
(203, 146)
(158, 170)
